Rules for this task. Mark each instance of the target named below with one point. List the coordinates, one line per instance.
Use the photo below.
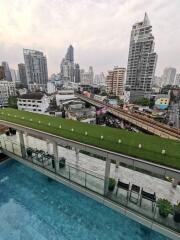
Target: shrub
(165, 207)
(112, 184)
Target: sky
(99, 30)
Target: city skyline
(101, 41)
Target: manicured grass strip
(117, 140)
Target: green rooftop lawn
(151, 150)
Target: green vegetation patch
(146, 147)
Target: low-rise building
(7, 89)
(162, 101)
(64, 96)
(34, 102)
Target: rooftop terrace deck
(138, 145)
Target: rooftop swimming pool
(35, 207)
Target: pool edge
(106, 202)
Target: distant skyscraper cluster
(140, 74)
(142, 58)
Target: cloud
(98, 29)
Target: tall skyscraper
(91, 74)
(2, 73)
(36, 69)
(100, 79)
(87, 77)
(22, 74)
(115, 81)
(142, 58)
(76, 73)
(70, 54)
(7, 72)
(14, 75)
(67, 65)
(168, 77)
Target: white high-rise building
(100, 79)
(168, 77)
(87, 77)
(36, 69)
(142, 58)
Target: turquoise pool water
(33, 207)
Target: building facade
(33, 102)
(51, 87)
(142, 58)
(7, 89)
(2, 73)
(100, 79)
(22, 74)
(87, 77)
(65, 96)
(177, 81)
(36, 69)
(67, 65)
(76, 73)
(115, 81)
(7, 72)
(15, 75)
(168, 77)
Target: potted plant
(177, 213)
(12, 131)
(29, 152)
(7, 133)
(62, 162)
(165, 207)
(112, 184)
(53, 161)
